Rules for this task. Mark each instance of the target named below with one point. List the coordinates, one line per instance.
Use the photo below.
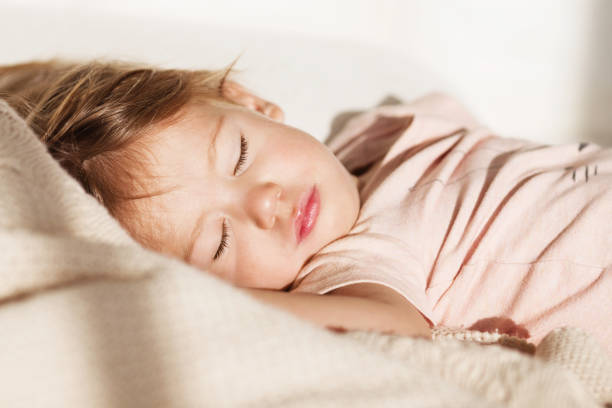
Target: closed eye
(224, 242)
(244, 151)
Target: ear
(243, 97)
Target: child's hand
(502, 325)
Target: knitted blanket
(89, 318)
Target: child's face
(255, 210)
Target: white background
(531, 69)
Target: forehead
(195, 116)
(170, 143)
(174, 157)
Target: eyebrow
(197, 231)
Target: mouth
(308, 211)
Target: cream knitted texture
(90, 319)
(571, 348)
(580, 353)
(52, 221)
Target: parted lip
(306, 214)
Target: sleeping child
(413, 216)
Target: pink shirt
(474, 230)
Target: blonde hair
(92, 115)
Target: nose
(262, 204)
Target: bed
(90, 318)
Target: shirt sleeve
(365, 257)
(367, 137)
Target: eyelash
(244, 151)
(224, 241)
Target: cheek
(253, 257)
(262, 263)
(291, 145)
